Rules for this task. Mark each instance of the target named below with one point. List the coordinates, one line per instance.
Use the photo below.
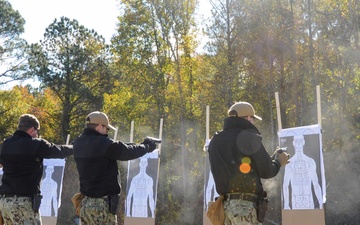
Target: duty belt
(14, 195)
(102, 197)
(242, 196)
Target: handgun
(281, 150)
(152, 139)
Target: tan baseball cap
(244, 109)
(99, 118)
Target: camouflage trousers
(96, 211)
(240, 212)
(18, 211)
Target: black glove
(150, 145)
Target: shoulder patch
(248, 142)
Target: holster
(113, 201)
(1, 220)
(215, 212)
(261, 206)
(76, 200)
(36, 201)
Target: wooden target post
(296, 215)
(143, 171)
(51, 188)
(209, 186)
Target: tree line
(152, 70)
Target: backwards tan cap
(99, 118)
(244, 109)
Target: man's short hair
(27, 121)
(91, 126)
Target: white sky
(100, 15)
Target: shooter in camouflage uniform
(96, 158)
(22, 158)
(238, 160)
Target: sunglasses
(107, 129)
(37, 131)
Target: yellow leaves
(13, 103)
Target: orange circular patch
(245, 168)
